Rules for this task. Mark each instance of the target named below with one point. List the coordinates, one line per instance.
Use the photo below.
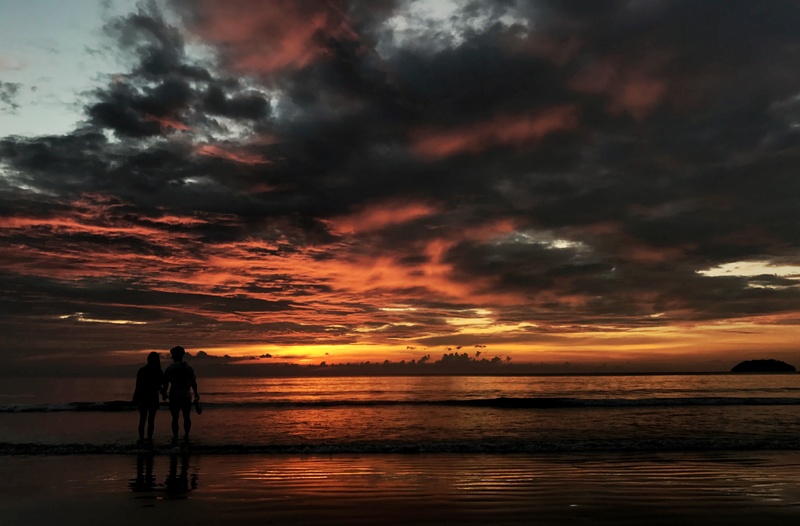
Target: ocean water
(459, 414)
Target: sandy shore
(736, 488)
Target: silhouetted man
(180, 378)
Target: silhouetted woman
(149, 384)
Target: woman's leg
(142, 418)
(151, 421)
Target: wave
(496, 403)
(108, 406)
(476, 447)
(710, 391)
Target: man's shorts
(180, 400)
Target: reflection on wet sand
(177, 484)
(691, 489)
(145, 480)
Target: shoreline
(541, 450)
(126, 374)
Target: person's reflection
(179, 484)
(145, 480)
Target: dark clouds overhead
(322, 172)
(8, 96)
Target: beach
(686, 488)
(613, 450)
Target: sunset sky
(605, 183)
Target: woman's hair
(154, 359)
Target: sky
(611, 185)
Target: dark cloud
(166, 90)
(8, 96)
(132, 114)
(245, 106)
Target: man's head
(177, 353)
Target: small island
(763, 366)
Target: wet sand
(691, 488)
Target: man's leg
(187, 420)
(175, 412)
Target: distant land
(474, 363)
(763, 366)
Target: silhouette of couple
(174, 385)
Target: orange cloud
(376, 217)
(503, 130)
(95, 214)
(170, 219)
(211, 150)
(102, 218)
(388, 274)
(270, 36)
(352, 295)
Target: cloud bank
(402, 173)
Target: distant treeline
(448, 359)
(449, 363)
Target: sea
(417, 414)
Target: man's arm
(164, 385)
(193, 383)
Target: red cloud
(211, 150)
(631, 90)
(269, 36)
(504, 130)
(166, 122)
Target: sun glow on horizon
(678, 344)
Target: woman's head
(153, 359)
